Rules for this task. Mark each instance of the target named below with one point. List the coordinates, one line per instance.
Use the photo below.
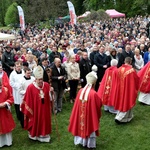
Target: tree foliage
(79, 6)
(11, 16)
(39, 10)
(96, 15)
(4, 4)
(130, 8)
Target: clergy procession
(95, 67)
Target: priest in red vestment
(36, 108)
(6, 120)
(107, 87)
(86, 113)
(5, 78)
(144, 88)
(127, 91)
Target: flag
(21, 18)
(72, 13)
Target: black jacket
(7, 60)
(122, 57)
(85, 67)
(45, 75)
(100, 61)
(92, 54)
(53, 55)
(56, 83)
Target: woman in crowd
(73, 77)
(139, 62)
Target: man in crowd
(126, 53)
(36, 108)
(44, 65)
(84, 119)
(54, 54)
(85, 68)
(93, 53)
(102, 62)
(8, 60)
(58, 77)
(126, 92)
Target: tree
(141, 7)
(41, 10)
(96, 16)
(4, 4)
(11, 16)
(79, 6)
(98, 4)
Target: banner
(21, 18)
(73, 18)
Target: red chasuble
(37, 115)
(144, 75)
(7, 123)
(107, 88)
(85, 116)
(5, 81)
(127, 88)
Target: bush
(96, 16)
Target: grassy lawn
(131, 136)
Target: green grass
(131, 136)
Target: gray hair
(114, 62)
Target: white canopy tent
(4, 36)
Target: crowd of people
(41, 64)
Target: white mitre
(94, 68)
(91, 79)
(38, 72)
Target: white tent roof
(4, 36)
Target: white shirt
(14, 79)
(23, 86)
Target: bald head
(57, 62)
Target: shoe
(106, 108)
(142, 103)
(118, 122)
(59, 110)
